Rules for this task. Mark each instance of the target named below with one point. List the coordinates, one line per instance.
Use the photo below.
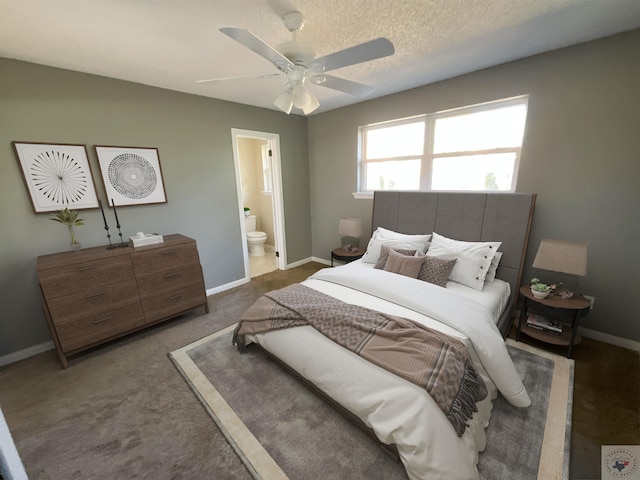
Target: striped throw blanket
(428, 358)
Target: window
(471, 148)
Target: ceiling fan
(299, 65)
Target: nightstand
(555, 307)
(345, 256)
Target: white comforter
(400, 412)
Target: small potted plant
(247, 211)
(539, 289)
(70, 219)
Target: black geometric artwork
(56, 175)
(132, 176)
(59, 177)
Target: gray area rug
(282, 430)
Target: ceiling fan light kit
(284, 102)
(298, 62)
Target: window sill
(363, 195)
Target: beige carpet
(264, 453)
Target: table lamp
(350, 229)
(564, 257)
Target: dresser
(96, 295)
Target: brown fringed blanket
(428, 358)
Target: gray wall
(581, 155)
(193, 135)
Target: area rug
(281, 430)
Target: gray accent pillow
(436, 270)
(384, 255)
(406, 265)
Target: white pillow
(474, 258)
(491, 274)
(393, 239)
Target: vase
(75, 244)
(539, 294)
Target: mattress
(398, 411)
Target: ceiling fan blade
(241, 77)
(346, 86)
(249, 40)
(364, 52)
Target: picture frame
(57, 175)
(131, 175)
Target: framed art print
(131, 175)
(56, 175)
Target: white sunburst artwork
(57, 176)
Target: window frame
(428, 156)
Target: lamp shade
(562, 256)
(311, 105)
(350, 227)
(284, 102)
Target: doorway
(264, 200)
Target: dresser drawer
(71, 308)
(169, 280)
(80, 277)
(98, 327)
(171, 303)
(158, 259)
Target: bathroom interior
(257, 194)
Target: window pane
(399, 141)
(474, 172)
(396, 175)
(499, 127)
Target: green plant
(70, 219)
(247, 209)
(538, 286)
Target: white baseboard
(26, 353)
(321, 260)
(227, 286)
(611, 339)
(43, 347)
(602, 337)
(300, 262)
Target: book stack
(144, 239)
(542, 323)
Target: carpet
(281, 430)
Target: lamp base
(350, 243)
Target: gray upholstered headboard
(471, 217)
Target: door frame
(277, 197)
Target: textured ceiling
(173, 43)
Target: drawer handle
(90, 267)
(95, 294)
(167, 252)
(103, 319)
(176, 297)
(169, 275)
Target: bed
(397, 412)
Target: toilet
(255, 240)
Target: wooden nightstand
(345, 256)
(553, 306)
